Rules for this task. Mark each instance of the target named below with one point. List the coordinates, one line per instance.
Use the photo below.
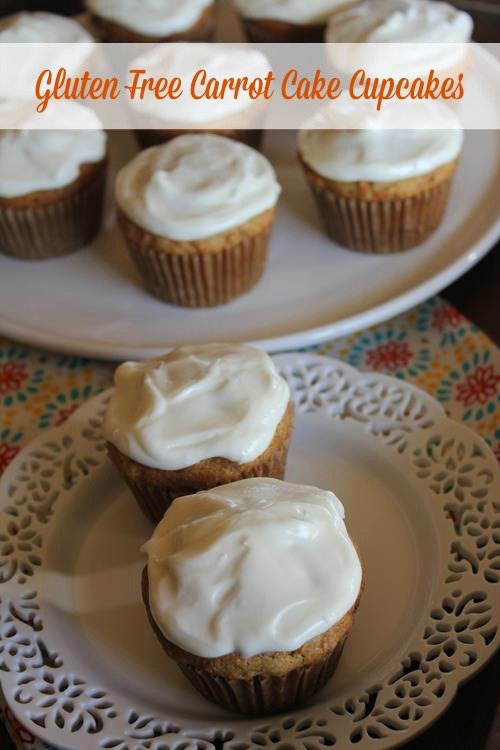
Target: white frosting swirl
(400, 21)
(423, 34)
(196, 186)
(195, 403)
(42, 27)
(255, 566)
(32, 160)
(55, 41)
(183, 60)
(154, 18)
(291, 11)
(399, 142)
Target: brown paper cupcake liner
(155, 490)
(151, 499)
(268, 30)
(199, 278)
(148, 138)
(264, 694)
(51, 228)
(385, 226)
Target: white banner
(268, 86)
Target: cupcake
(51, 181)
(196, 418)
(152, 20)
(400, 37)
(383, 189)
(72, 47)
(197, 215)
(232, 117)
(287, 20)
(252, 589)
(41, 26)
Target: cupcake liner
(268, 30)
(154, 490)
(199, 278)
(148, 138)
(260, 694)
(385, 226)
(151, 499)
(264, 694)
(54, 227)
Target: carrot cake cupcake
(230, 116)
(287, 20)
(72, 47)
(252, 589)
(383, 189)
(196, 418)
(40, 26)
(152, 20)
(422, 34)
(197, 215)
(51, 181)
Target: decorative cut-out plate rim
(452, 464)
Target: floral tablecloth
(432, 346)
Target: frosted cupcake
(152, 20)
(197, 215)
(196, 418)
(383, 190)
(74, 46)
(252, 589)
(423, 35)
(232, 117)
(40, 26)
(287, 20)
(51, 181)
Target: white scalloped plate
(80, 667)
(312, 291)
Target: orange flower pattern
(479, 387)
(12, 376)
(389, 357)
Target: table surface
(473, 720)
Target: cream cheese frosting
(400, 21)
(42, 27)
(255, 566)
(55, 42)
(32, 160)
(184, 60)
(380, 151)
(196, 403)
(196, 186)
(154, 18)
(423, 35)
(292, 11)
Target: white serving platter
(92, 302)
(80, 667)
